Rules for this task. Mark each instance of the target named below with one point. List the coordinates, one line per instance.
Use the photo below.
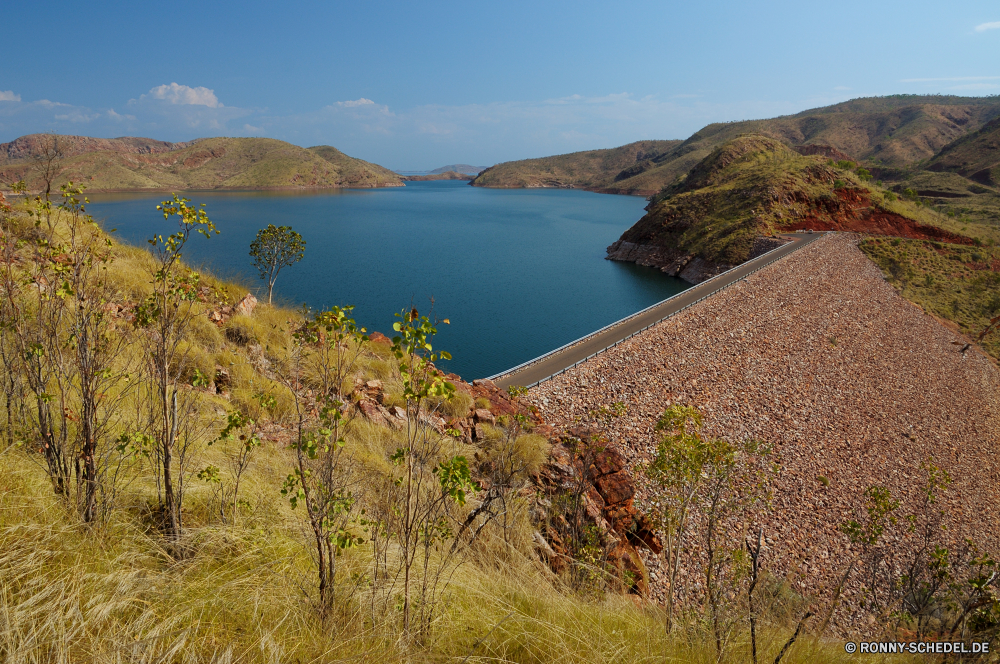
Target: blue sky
(418, 85)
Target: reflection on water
(518, 272)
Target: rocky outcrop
(673, 262)
(583, 497)
(34, 145)
(586, 500)
(246, 306)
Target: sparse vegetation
(892, 132)
(210, 163)
(754, 186)
(956, 283)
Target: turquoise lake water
(518, 272)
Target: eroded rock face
(589, 475)
(583, 470)
(827, 151)
(691, 269)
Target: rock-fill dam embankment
(852, 384)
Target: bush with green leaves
(726, 486)
(917, 577)
(274, 248)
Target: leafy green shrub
(864, 174)
(839, 184)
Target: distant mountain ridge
(447, 175)
(464, 169)
(137, 164)
(896, 131)
(607, 171)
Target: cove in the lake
(518, 272)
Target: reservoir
(518, 272)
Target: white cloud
(488, 132)
(355, 103)
(182, 94)
(118, 116)
(8, 95)
(983, 27)
(953, 78)
(77, 116)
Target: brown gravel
(818, 355)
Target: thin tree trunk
(89, 463)
(170, 429)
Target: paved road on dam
(548, 365)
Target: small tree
(326, 348)
(166, 315)
(275, 247)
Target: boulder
(246, 306)
(484, 416)
(375, 413)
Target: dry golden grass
(241, 589)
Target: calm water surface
(518, 272)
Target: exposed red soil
(853, 211)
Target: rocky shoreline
(851, 383)
(676, 263)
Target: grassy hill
(755, 186)
(125, 164)
(446, 175)
(975, 156)
(894, 131)
(596, 170)
(465, 169)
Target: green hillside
(596, 170)
(755, 186)
(894, 131)
(446, 175)
(975, 156)
(212, 163)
